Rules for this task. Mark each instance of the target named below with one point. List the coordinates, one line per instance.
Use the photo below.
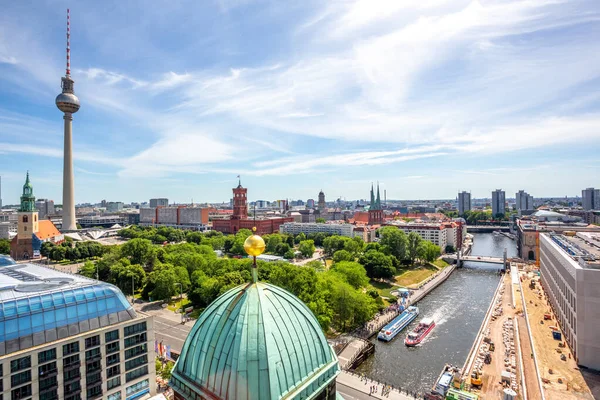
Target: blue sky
(427, 97)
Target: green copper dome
(256, 341)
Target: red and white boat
(420, 332)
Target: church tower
(28, 215)
(375, 210)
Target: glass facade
(111, 336)
(70, 348)
(137, 389)
(20, 363)
(21, 393)
(46, 356)
(41, 312)
(136, 373)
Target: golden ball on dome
(254, 245)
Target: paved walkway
(353, 386)
(351, 351)
(441, 276)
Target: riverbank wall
(432, 284)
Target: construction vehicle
(492, 346)
(476, 379)
(488, 358)
(547, 317)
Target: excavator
(476, 379)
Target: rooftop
(39, 304)
(583, 246)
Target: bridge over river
(481, 259)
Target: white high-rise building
(464, 202)
(68, 103)
(570, 275)
(498, 202)
(590, 199)
(67, 337)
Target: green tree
(163, 279)
(194, 237)
(306, 248)
(353, 273)
(58, 253)
(394, 241)
(342, 255)
(449, 249)
(271, 242)
(320, 220)
(88, 269)
(412, 249)
(300, 237)
(140, 251)
(430, 252)
(378, 265)
(176, 236)
(289, 255)
(44, 251)
(317, 265)
(332, 244)
(123, 274)
(282, 248)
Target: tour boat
(400, 322)
(418, 334)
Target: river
(458, 306)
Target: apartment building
(294, 228)
(570, 275)
(64, 336)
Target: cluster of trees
(66, 250)
(4, 246)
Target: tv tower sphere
(67, 102)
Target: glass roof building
(83, 327)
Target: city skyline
(330, 98)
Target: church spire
(27, 198)
(378, 201)
(372, 205)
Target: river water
(458, 306)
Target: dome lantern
(254, 246)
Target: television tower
(68, 103)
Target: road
(316, 255)
(167, 325)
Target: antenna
(68, 42)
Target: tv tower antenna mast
(68, 103)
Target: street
(167, 324)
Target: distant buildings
(45, 207)
(239, 219)
(310, 203)
(293, 228)
(498, 202)
(440, 234)
(69, 337)
(114, 206)
(31, 232)
(570, 274)
(193, 218)
(161, 202)
(590, 199)
(464, 202)
(523, 201)
(322, 204)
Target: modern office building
(193, 218)
(498, 202)
(590, 199)
(310, 203)
(464, 202)
(293, 228)
(115, 206)
(523, 201)
(67, 337)
(45, 207)
(570, 274)
(161, 202)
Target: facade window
(93, 367)
(112, 347)
(111, 336)
(70, 348)
(115, 396)
(90, 379)
(70, 361)
(47, 383)
(20, 363)
(21, 393)
(74, 397)
(137, 339)
(113, 359)
(71, 374)
(47, 369)
(133, 329)
(136, 362)
(20, 378)
(91, 354)
(94, 392)
(51, 395)
(113, 383)
(136, 373)
(133, 389)
(135, 351)
(72, 387)
(92, 341)
(25, 219)
(113, 371)
(46, 356)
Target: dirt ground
(573, 385)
